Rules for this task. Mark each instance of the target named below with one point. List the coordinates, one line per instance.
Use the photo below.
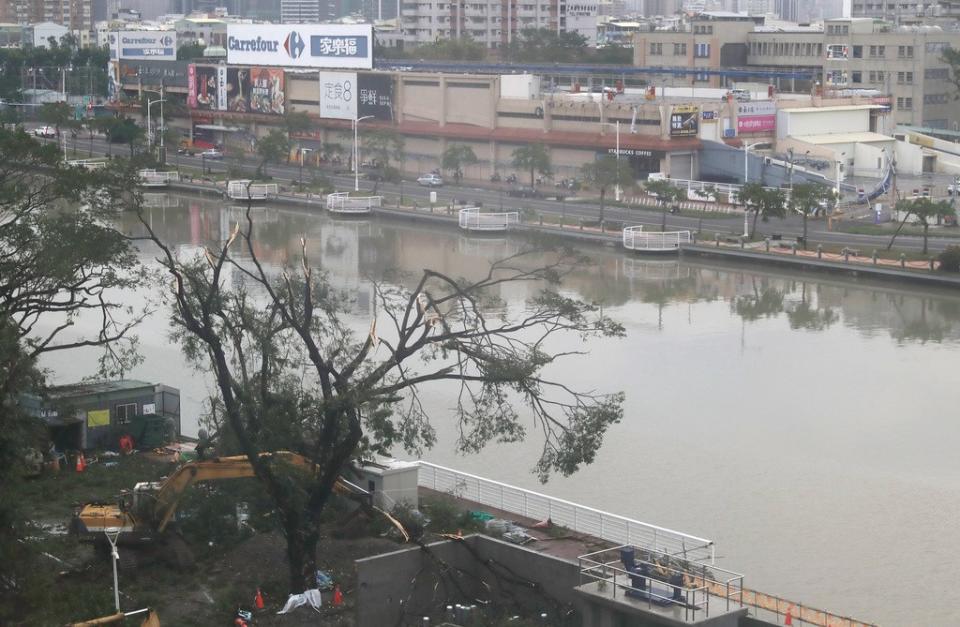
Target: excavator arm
(235, 467)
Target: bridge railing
(635, 238)
(151, 178)
(472, 219)
(343, 202)
(89, 164)
(579, 518)
(245, 190)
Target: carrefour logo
(166, 41)
(294, 45)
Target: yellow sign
(98, 418)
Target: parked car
(430, 180)
(45, 131)
(523, 191)
(211, 153)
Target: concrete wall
(721, 162)
(798, 123)
(407, 582)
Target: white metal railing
(635, 238)
(159, 200)
(579, 518)
(244, 189)
(343, 202)
(153, 178)
(472, 219)
(89, 164)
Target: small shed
(95, 415)
(390, 481)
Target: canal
(804, 423)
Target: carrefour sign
(144, 45)
(348, 46)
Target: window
(905, 104)
(656, 49)
(905, 52)
(701, 77)
(701, 51)
(125, 413)
(856, 77)
(905, 78)
(858, 52)
(936, 73)
(680, 50)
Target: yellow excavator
(141, 517)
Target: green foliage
(607, 172)
(927, 212)
(809, 198)
(533, 158)
(85, 68)
(951, 56)
(546, 45)
(457, 157)
(462, 49)
(950, 259)
(383, 145)
(191, 51)
(297, 121)
(763, 202)
(272, 148)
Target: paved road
(574, 209)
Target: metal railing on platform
(472, 219)
(343, 202)
(635, 238)
(242, 189)
(578, 518)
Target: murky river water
(806, 424)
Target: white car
(45, 131)
(430, 180)
(211, 153)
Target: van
(742, 95)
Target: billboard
(143, 45)
(266, 91)
(205, 88)
(338, 95)
(166, 73)
(684, 121)
(375, 96)
(192, 86)
(238, 89)
(301, 45)
(222, 87)
(756, 117)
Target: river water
(806, 424)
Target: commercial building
(494, 23)
(75, 15)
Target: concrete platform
(614, 605)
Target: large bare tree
(290, 373)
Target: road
(573, 209)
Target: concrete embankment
(854, 267)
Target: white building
(39, 34)
(494, 23)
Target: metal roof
(97, 387)
(844, 138)
(834, 108)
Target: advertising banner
(301, 45)
(166, 73)
(113, 80)
(222, 87)
(684, 121)
(238, 89)
(338, 95)
(205, 87)
(756, 117)
(144, 44)
(266, 91)
(192, 86)
(375, 96)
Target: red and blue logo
(293, 45)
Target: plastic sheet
(308, 597)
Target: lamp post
(356, 152)
(150, 103)
(836, 204)
(161, 100)
(746, 159)
(303, 151)
(616, 125)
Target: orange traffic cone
(258, 600)
(337, 596)
(788, 620)
(81, 463)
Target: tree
(951, 56)
(55, 266)
(296, 122)
(191, 51)
(291, 373)
(666, 194)
(807, 199)
(457, 157)
(926, 211)
(544, 45)
(56, 114)
(533, 158)
(273, 147)
(763, 202)
(606, 172)
(124, 130)
(384, 146)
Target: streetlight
(356, 152)
(150, 103)
(616, 191)
(303, 151)
(836, 205)
(746, 159)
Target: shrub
(950, 259)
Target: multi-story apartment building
(861, 54)
(903, 12)
(710, 40)
(76, 15)
(903, 62)
(494, 23)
